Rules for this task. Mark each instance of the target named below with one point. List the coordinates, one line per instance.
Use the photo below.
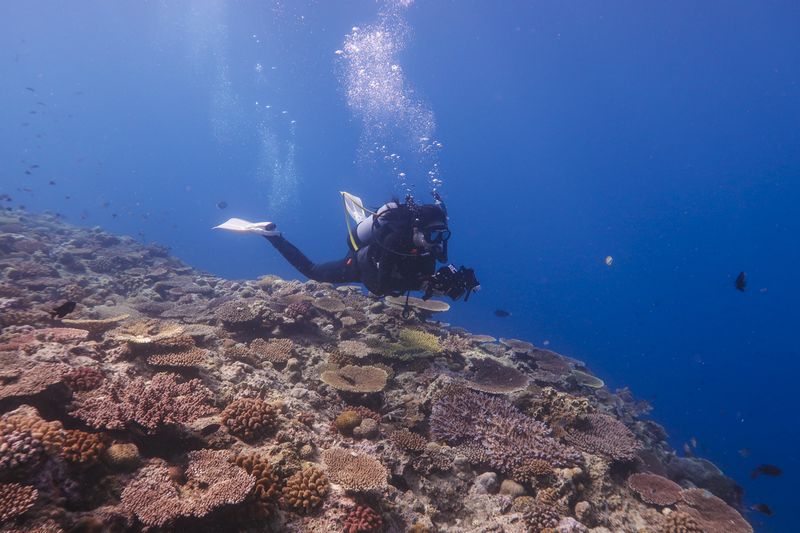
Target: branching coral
(211, 481)
(297, 310)
(250, 418)
(554, 407)
(360, 379)
(415, 340)
(268, 483)
(18, 448)
(153, 404)
(508, 439)
(305, 491)
(604, 435)
(84, 378)
(186, 358)
(408, 440)
(655, 489)
(82, 447)
(15, 499)
(354, 471)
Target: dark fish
(222, 205)
(28, 172)
(33, 166)
(5, 197)
(502, 313)
(41, 104)
(31, 89)
(114, 215)
(741, 282)
(767, 470)
(762, 508)
(63, 310)
(51, 182)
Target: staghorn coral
(601, 434)
(354, 471)
(250, 419)
(506, 438)
(268, 483)
(81, 447)
(655, 489)
(154, 404)
(18, 448)
(712, 513)
(15, 499)
(363, 519)
(272, 350)
(30, 381)
(490, 376)
(84, 378)
(529, 471)
(415, 340)
(408, 440)
(186, 358)
(305, 491)
(359, 379)
(211, 481)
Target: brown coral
(529, 471)
(32, 380)
(490, 376)
(655, 489)
(186, 358)
(237, 315)
(26, 419)
(679, 522)
(354, 349)
(347, 421)
(18, 448)
(15, 499)
(556, 407)
(84, 378)
(82, 447)
(712, 513)
(268, 483)
(250, 418)
(329, 305)
(305, 491)
(122, 455)
(354, 471)
(362, 519)
(360, 379)
(408, 440)
(273, 350)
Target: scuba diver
(392, 251)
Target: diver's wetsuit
(341, 271)
(389, 264)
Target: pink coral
(211, 481)
(29, 381)
(153, 403)
(655, 489)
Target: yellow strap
(349, 229)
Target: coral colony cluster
(172, 400)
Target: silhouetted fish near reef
(762, 508)
(502, 313)
(741, 282)
(63, 310)
(222, 205)
(767, 470)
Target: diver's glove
(452, 282)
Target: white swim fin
(354, 206)
(244, 226)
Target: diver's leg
(341, 271)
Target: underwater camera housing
(452, 282)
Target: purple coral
(509, 439)
(153, 403)
(601, 434)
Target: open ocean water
(661, 135)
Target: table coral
(655, 489)
(359, 379)
(273, 350)
(354, 471)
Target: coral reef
(172, 399)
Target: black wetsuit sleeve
(341, 271)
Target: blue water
(663, 134)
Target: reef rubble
(171, 399)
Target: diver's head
(430, 230)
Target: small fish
(41, 104)
(32, 112)
(741, 282)
(222, 205)
(67, 197)
(767, 470)
(63, 310)
(744, 452)
(28, 172)
(33, 167)
(31, 89)
(5, 197)
(114, 215)
(51, 182)
(762, 508)
(502, 313)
